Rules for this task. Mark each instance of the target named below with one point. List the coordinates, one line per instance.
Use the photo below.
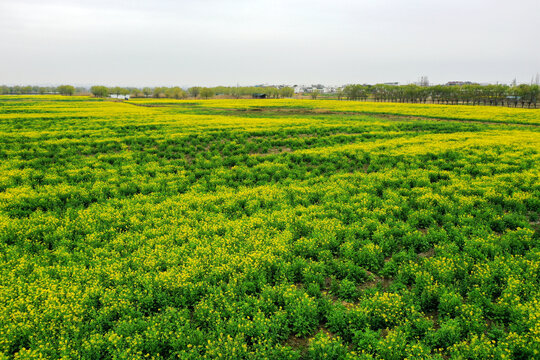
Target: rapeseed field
(267, 229)
(436, 111)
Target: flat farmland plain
(278, 229)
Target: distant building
(299, 89)
(460, 83)
(122, 97)
(259, 96)
(330, 89)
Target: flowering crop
(300, 229)
(452, 112)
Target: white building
(122, 97)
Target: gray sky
(212, 42)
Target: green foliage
(448, 334)
(65, 90)
(185, 230)
(99, 91)
(206, 93)
(323, 346)
(286, 92)
(194, 91)
(475, 94)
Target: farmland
(278, 229)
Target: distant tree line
(519, 95)
(269, 91)
(41, 90)
(523, 95)
(194, 92)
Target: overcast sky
(219, 42)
